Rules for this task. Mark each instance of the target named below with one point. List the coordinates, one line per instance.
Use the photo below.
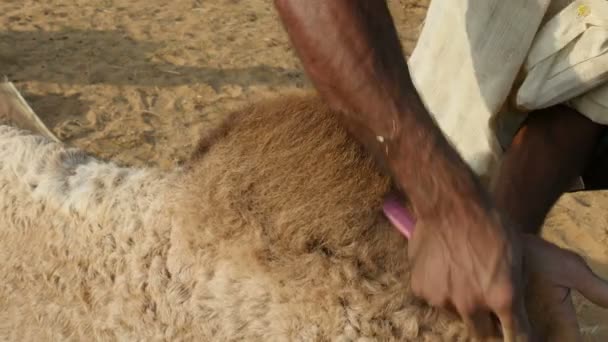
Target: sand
(137, 81)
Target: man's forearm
(352, 54)
(553, 147)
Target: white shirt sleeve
(568, 62)
(464, 65)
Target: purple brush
(399, 216)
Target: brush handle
(399, 216)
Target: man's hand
(476, 271)
(352, 54)
(468, 263)
(552, 273)
(553, 146)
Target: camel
(272, 231)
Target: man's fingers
(514, 321)
(477, 320)
(586, 282)
(594, 289)
(482, 324)
(573, 272)
(563, 326)
(514, 330)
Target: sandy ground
(136, 82)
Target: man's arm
(462, 254)
(552, 147)
(352, 54)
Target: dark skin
(464, 253)
(351, 52)
(552, 147)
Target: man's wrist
(434, 176)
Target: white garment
(470, 53)
(568, 58)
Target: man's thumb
(585, 281)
